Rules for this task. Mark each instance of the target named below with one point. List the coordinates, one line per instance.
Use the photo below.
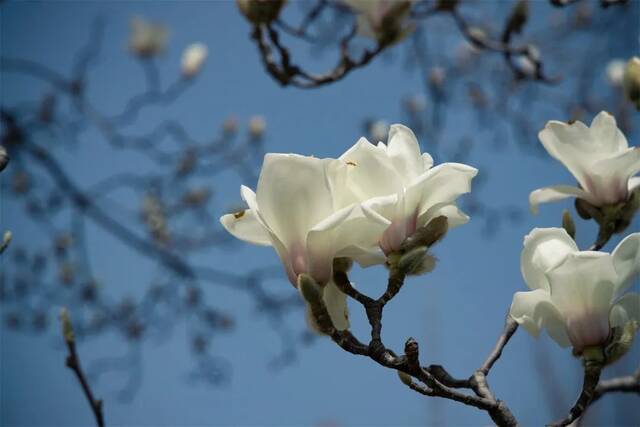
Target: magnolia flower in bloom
(192, 59)
(576, 296)
(147, 39)
(298, 209)
(382, 20)
(399, 187)
(598, 156)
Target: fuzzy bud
(67, 327)
(427, 235)
(632, 81)
(568, 224)
(261, 11)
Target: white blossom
(598, 156)
(298, 209)
(577, 296)
(147, 39)
(193, 58)
(399, 187)
(615, 72)
(382, 20)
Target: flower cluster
(578, 296)
(362, 205)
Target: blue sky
(456, 312)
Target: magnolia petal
(365, 256)
(370, 173)
(336, 302)
(555, 193)
(534, 310)
(582, 288)
(427, 161)
(609, 178)
(404, 152)
(625, 310)
(626, 260)
(244, 225)
(455, 216)
(634, 182)
(322, 245)
(571, 144)
(606, 134)
(544, 248)
(441, 184)
(293, 195)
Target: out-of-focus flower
(415, 104)
(257, 126)
(378, 130)
(300, 210)
(466, 53)
(398, 186)
(4, 158)
(193, 58)
(147, 39)
(437, 76)
(230, 125)
(615, 72)
(598, 156)
(632, 81)
(261, 11)
(576, 296)
(385, 21)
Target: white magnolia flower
(298, 209)
(615, 72)
(598, 156)
(398, 186)
(382, 20)
(193, 58)
(576, 296)
(147, 39)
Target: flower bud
(257, 126)
(261, 11)
(615, 72)
(405, 378)
(230, 126)
(427, 235)
(67, 327)
(568, 224)
(309, 289)
(621, 341)
(416, 261)
(6, 239)
(147, 39)
(632, 81)
(193, 58)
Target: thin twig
(73, 363)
